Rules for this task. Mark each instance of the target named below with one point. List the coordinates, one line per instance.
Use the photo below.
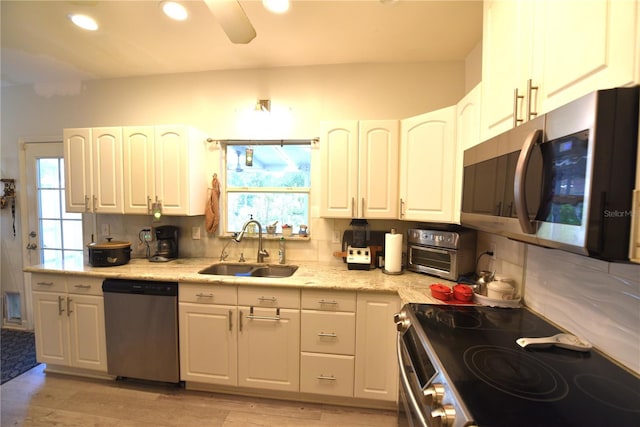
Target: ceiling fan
(233, 20)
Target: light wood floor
(39, 399)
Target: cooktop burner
(502, 384)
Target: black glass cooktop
(503, 384)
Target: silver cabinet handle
(201, 295)
(326, 378)
(69, 307)
(82, 286)
(270, 299)
(362, 212)
(240, 320)
(230, 320)
(148, 204)
(328, 335)
(324, 301)
(45, 283)
(516, 98)
(401, 205)
(86, 203)
(353, 207)
(95, 203)
(253, 317)
(60, 309)
(530, 89)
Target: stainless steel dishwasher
(141, 320)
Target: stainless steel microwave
(563, 180)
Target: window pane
(51, 256)
(75, 257)
(270, 166)
(49, 204)
(51, 234)
(72, 234)
(286, 208)
(48, 173)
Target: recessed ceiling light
(83, 21)
(174, 10)
(276, 6)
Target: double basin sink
(249, 270)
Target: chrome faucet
(262, 253)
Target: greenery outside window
(268, 181)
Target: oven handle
(413, 403)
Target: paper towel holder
(393, 242)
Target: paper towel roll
(393, 252)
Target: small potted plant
(286, 230)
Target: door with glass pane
(54, 236)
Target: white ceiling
(40, 45)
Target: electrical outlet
(195, 233)
(146, 235)
(336, 236)
(106, 230)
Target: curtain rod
(265, 141)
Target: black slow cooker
(109, 253)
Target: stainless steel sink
(248, 269)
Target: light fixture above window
(276, 6)
(263, 105)
(174, 10)
(83, 21)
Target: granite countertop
(410, 286)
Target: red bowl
(463, 293)
(441, 291)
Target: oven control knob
(434, 394)
(443, 416)
(401, 321)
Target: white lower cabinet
(69, 322)
(269, 338)
(208, 334)
(329, 374)
(376, 368)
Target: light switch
(195, 233)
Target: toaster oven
(444, 254)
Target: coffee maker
(167, 237)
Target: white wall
(212, 102)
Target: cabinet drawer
(264, 296)
(324, 332)
(207, 294)
(84, 285)
(49, 282)
(327, 300)
(328, 374)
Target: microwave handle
(519, 189)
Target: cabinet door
(50, 325)
(208, 343)
(139, 170)
(269, 349)
(171, 174)
(428, 166)
(77, 166)
(378, 169)
(106, 153)
(376, 375)
(339, 173)
(581, 46)
(87, 340)
(506, 63)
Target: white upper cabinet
(552, 52)
(581, 46)
(428, 167)
(359, 169)
(139, 170)
(93, 170)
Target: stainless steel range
(461, 366)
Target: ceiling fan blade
(233, 20)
